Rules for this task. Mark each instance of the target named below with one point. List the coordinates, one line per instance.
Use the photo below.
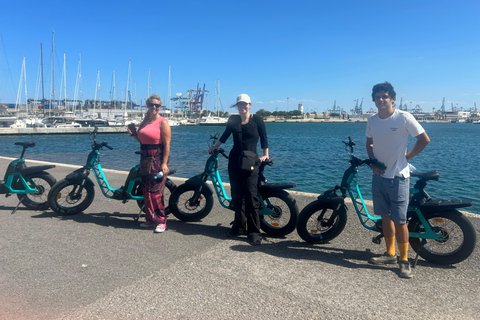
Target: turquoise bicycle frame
(17, 176)
(211, 170)
(371, 222)
(133, 178)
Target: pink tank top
(150, 133)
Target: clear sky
(281, 53)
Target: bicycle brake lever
(215, 137)
(105, 144)
(268, 162)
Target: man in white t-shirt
(387, 137)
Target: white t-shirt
(390, 137)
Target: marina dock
(80, 130)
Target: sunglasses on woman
(155, 105)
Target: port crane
(358, 110)
(192, 100)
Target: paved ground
(102, 265)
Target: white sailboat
(173, 123)
(210, 120)
(20, 122)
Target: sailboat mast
(17, 102)
(65, 79)
(52, 95)
(37, 88)
(149, 83)
(25, 81)
(78, 85)
(43, 89)
(113, 95)
(126, 91)
(97, 91)
(218, 95)
(169, 93)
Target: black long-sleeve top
(254, 129)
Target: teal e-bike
(438, 231)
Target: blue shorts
(390, 197)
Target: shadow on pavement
(289, 249)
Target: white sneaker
(160, 228)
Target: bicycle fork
(194, 201)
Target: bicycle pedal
(377, 239)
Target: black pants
(245, 201)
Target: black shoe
(235, 232)
(256, 239)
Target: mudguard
(77, 175)
(197, 181)
(29, 170)
(330, 196)
(436, 205)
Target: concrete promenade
(101, 265)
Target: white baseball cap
(243, 98)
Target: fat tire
(43, 181)
(169, 185)
(458, 253)
(267, 222)
(179, 206)
(320, 236)
(62, 189)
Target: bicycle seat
(276, 185)
(26, 144)
(430, 175)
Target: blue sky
(313, 52)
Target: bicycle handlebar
(221, 151)
(350, 144)
(95, 145)
(267, 162)
(214, 138)
(105, 144)
(375, 162)
(355, 161)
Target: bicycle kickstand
(424, 242)
(139, 214)
(18, 205)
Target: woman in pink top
(154, 134)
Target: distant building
(457, 116)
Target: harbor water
(310, 154)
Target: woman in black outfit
(246, 129)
